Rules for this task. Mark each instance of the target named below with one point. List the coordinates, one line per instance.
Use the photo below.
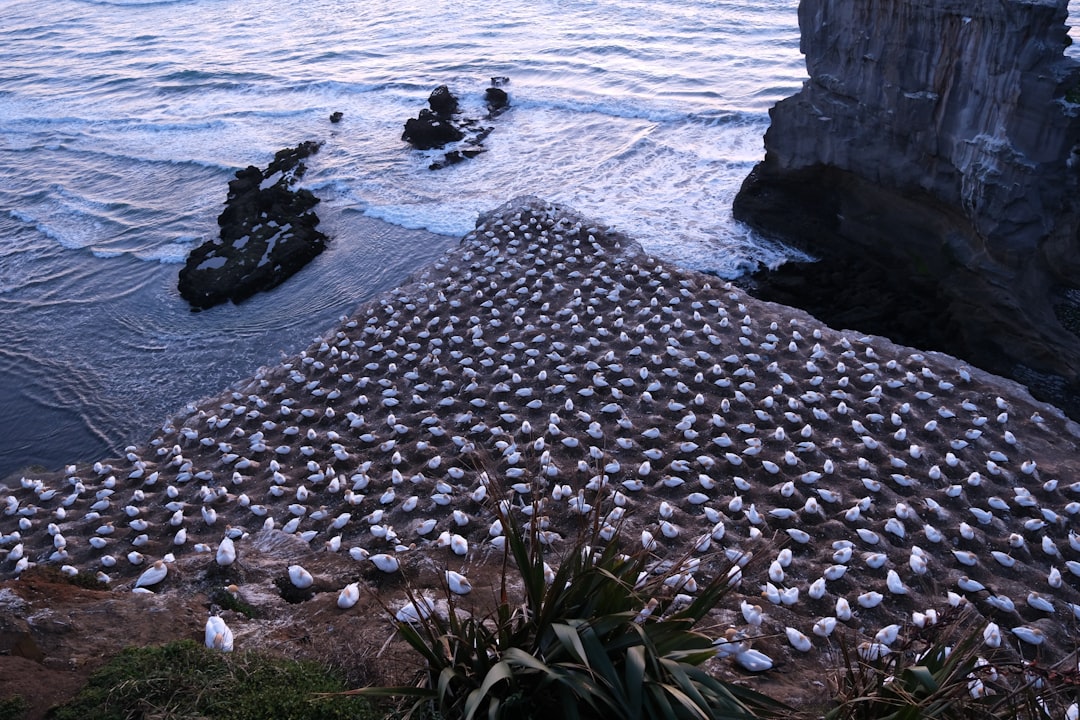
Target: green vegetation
(52, 573)
(946, 672)
(14, 708)
(227, 601)
(184, 680)
(578, 646)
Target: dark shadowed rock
(940, 148)
(497, 100)
(335, 117)
(267, 234)
(443, 125)
(429, 130)
(442, 101)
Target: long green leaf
(571, 642)
(598, 653)
(634, 674)
(400, 691)
(922, 677)
(692, 707)
(517, 656)
(658, 704)
(499, 672)
(446, 677)
(426, 646)
(678, 673)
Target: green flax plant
(943, 672)
(600, 636)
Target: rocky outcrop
(497, 100)
(936, 139)
(444, 124)
(267, 234)
(434, 128)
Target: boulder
(429, 130)
(442, 101)
(497, 100)
(267, 233)
(940, 145)
(442, 125)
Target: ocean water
(121, 121)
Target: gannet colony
(547, 358)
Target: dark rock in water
(497, 100)
(335, 117)
(267, 234)
(499, 81)
(939, 148)
(454, 157)
(441, 126)
(428, 131)
(451, 158)
(442, 101)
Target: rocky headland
(549, 364)
(929, 161)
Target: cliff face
(935, 136)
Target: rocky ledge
(267, 234)
(935, 155)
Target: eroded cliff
(937, 139)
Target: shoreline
(152, 348)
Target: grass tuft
(14, 707)
(183, 679)
(227, 601)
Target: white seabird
(300, 577)
(226, 552)
(218, 634)
(349, 596)
(152, 575)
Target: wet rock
(429, 130)
(497, 100)
(267, 234)
(444, 124)
(442, 102)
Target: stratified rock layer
(267, 234)
(934, 138)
